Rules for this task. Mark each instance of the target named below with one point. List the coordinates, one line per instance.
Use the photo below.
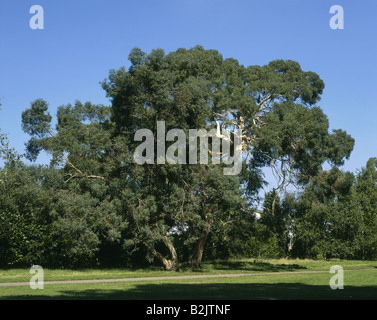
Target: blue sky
(83, 40)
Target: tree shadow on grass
(214, 291)
(254, 266)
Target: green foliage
(7, 153)
(262, 244)
(336, 216)
(271, 233)
(24, 216)
(365, 196)
(81, 223)
(171, 204)
(95, 206)
(35, 121)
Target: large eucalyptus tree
(170, 208)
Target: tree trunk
(169, 264)
(173, 263)
(197, 254)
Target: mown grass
(359, 283)
(211, 267)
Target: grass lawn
(268, 279)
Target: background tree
(271, 233)
(327, 220)
(25, 234)
(86, 211)
(366, 199)
(7, 153)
